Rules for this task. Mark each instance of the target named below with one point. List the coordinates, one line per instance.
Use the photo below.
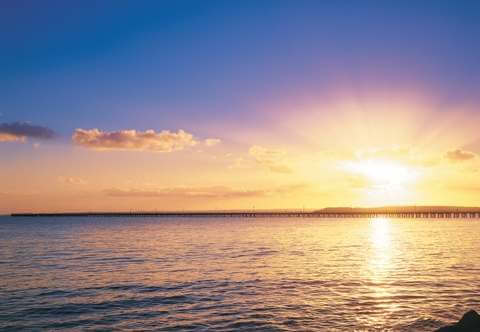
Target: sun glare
(384, 182)
(382, 172)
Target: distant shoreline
(340, 212)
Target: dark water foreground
(237, 274)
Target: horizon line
(337, 209)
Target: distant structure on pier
(404, 212)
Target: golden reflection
(380, 234)
(380, 239)
(381, 253)
(381, 261)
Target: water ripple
(223, 275)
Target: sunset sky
(194, 105)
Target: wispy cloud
(212, 141)
(149, 140)
(272, 159)
(218, 192)
(20, 131)
(241, 163)
(72, 180)
(459, 155)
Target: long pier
(405, 213)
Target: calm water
(233, 274)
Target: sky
(201, 105)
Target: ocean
(234, 274)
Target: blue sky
(175, 62)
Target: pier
(383, 212)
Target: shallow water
(233, 274)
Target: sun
(385, 182)
(385, 172)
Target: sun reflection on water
(380, 235)
(380, 263)
(381, 245)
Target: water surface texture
(237, 274)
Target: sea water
(232, 274)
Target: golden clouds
(459, 155)
(72, 180)
(149, 140)
(214, 192)
(212, 141)
(6, 137)
(134, 140)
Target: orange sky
(347, 159)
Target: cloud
(133, 140)
(241, 163)
(459, 155)
(218, 192)
(20, 131)
(72, 180)
(212, 141)
(272, 159)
